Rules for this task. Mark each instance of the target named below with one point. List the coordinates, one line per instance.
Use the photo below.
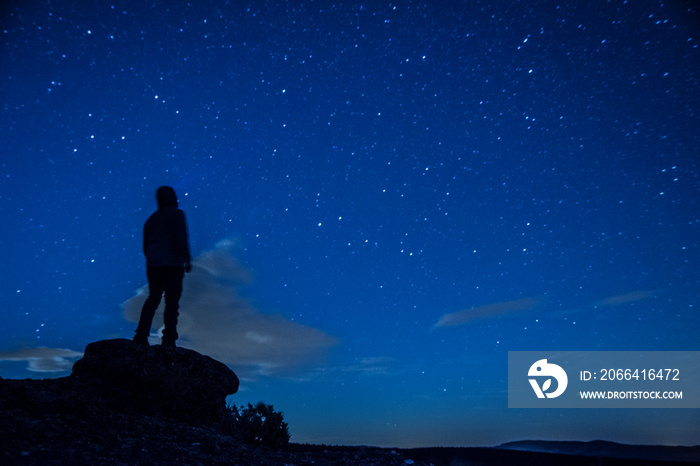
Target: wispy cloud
(215, 320)
(370, 366)
(626, 298)
(466, 316)
(43, 359)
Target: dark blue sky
(353, 175)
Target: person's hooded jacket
(165, 242)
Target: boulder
(155, 380)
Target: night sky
(383, 199)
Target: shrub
(260, 425)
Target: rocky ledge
(155, 380)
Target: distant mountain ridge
(605, 449)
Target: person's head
(166, 197)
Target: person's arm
(145, 237)
(183, 241)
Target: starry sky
(383, 199)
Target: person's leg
(156, 287)
(173, 291)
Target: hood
(166, 197)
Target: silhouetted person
(167, 252)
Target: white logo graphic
(543, 369)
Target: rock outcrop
(155, 380)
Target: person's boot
(169, 337)
(141, 340)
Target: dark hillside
(126, 404)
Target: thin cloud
(626, 298)
(215, 320)
(43, 359)
(371, 365)
(467, 316)
(363, 367)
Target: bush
(260, 425)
